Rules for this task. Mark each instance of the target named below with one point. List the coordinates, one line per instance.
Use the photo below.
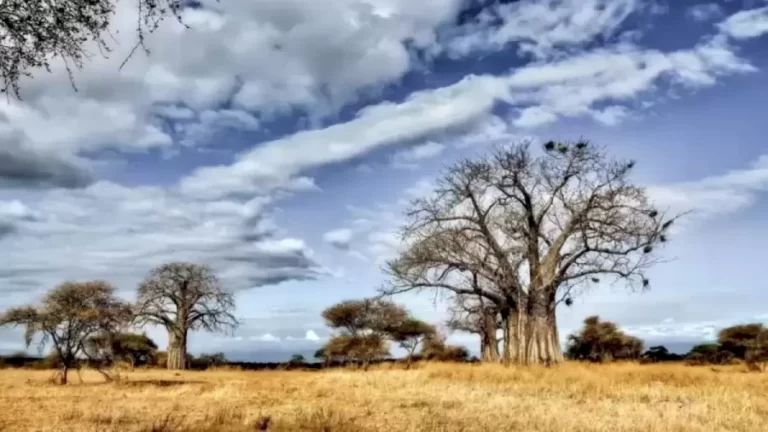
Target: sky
(279, 141)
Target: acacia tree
(32, 33)
(477, 315)
(182, 297)
(603, 341)
(68, 316)
(136, 349)
(535, 229)
(365, 328)
(410, 335)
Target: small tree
(410, 335)
(182, 297)
(69, 315)
(297, 360)
(602, 341)
(435, 348)
(212, 360)
(136, 349)
(365, 328)
(660, 353)
(739, 339)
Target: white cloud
(410, 157)
(267, 56)
(717, 195)
(340, 238)
(423, 113)
(704, 11)
(267, 337)
(541, 28)
(746, 24)
(311, 336)
(610, 116)
(119, 233)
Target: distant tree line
(602, 341)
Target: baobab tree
(536, 228)
(68, 317)
(181, 297)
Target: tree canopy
(602, 341)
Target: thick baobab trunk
(177, 349)
(541, 344)
(511, 335)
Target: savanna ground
(434, 397)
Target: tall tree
(33, 33)
(68, 316)
(182, 297)
(535, 228)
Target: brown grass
(436, 397)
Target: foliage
(739, 339)
(533, 229)
(411, 334)
(361, 349)
(182, 297)
(211, 360)
(435, 348)
(602, 341)
(34, 32)
(136, 349)
(68, 316)
(659, 353)
(358, 317)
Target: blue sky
(279, 140)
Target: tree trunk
(64, 373)
(514, 325)
(541, 341)
(488, 343)
(177, 349)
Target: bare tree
(33, 32)
(535, 229)
(182, 297)
(477, 315)
(69, 315)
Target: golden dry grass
(435, 397)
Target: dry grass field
(434, 397)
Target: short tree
(135, 349)
(410, 335)
(739, 339)
(659, 353)
(365, 328)
(602, 341)
(68, 316)
(182, 297)
(212, 359)
(435, 348)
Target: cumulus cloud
(311, 336)
(23, 167)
